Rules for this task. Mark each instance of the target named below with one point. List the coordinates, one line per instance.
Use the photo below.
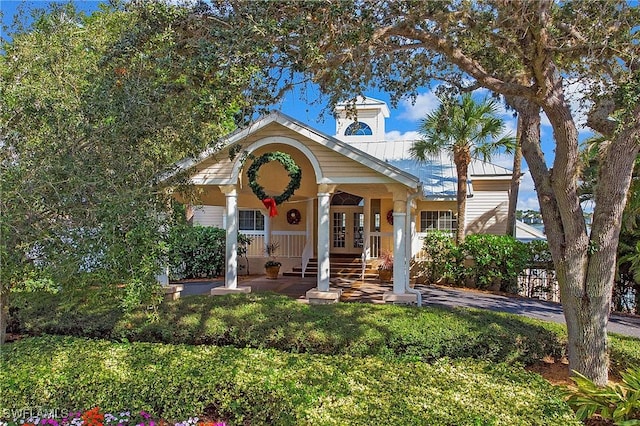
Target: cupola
(368, 123)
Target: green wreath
(294, 171)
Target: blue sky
(401, 125)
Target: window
(251, 220)
(358, 129)
(438, 221)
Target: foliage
(497, 258)
(442, 256)
(248, 386)
(293, 170)
(196, 252)
(199, 251)
(385, 261)
(528, 52)
(93, 417)
(94, 109)
(627, 279)
(618, 402)
(493, 259)
(466, 129)
(271, 250)
(264, 320)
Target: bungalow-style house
(358, 196)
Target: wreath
(294, 171)
(390, 217)
(294, 216)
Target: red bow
(270, 204)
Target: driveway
(533, 308)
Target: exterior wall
(208, 216)
(373, 117)
(333, 164)
(488, 208)
(433, 206)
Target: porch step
(340, 267)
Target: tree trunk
(461, 158)
(515, 182)
(585, 266)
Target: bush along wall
(198, 251)
(484, 261)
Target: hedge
(270, 321)
(249, 386)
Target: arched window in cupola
(358, 128)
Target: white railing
(291, 243)
(375, 242)
(256, 248)
(307, 254)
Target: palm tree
(468, 130)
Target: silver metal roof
(437, 173)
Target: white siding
(208, 215)
(487, 212)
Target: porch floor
(296, 287)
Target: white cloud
(528, 202)
(526, 183)
(395, 135)
(424, 104)
(503, 160)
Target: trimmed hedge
(270, 321)
(248, 386)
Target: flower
(94, 417)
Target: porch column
(400, 257)
(400, 263)
(324, 266)
(366, 235)
(309, 222)
(267, 228)
(231, 247)
(322, 293)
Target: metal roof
(437, 173)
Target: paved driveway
(547, 311)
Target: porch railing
(291, 243)
(375, 242)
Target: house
(358, 195)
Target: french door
(347, 229)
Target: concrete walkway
(358, 291)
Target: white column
(309, 222)
(267, 228)
(400, 264)
(366, 235)
(322, 293)
(231, 247)
(323, 240)
(231, 253)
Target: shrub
(248, 386)
(199, 251)
(442, 256)
(620, 402)
(263, 320)
(196, 251)
(497, 259)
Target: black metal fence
(539, 282)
